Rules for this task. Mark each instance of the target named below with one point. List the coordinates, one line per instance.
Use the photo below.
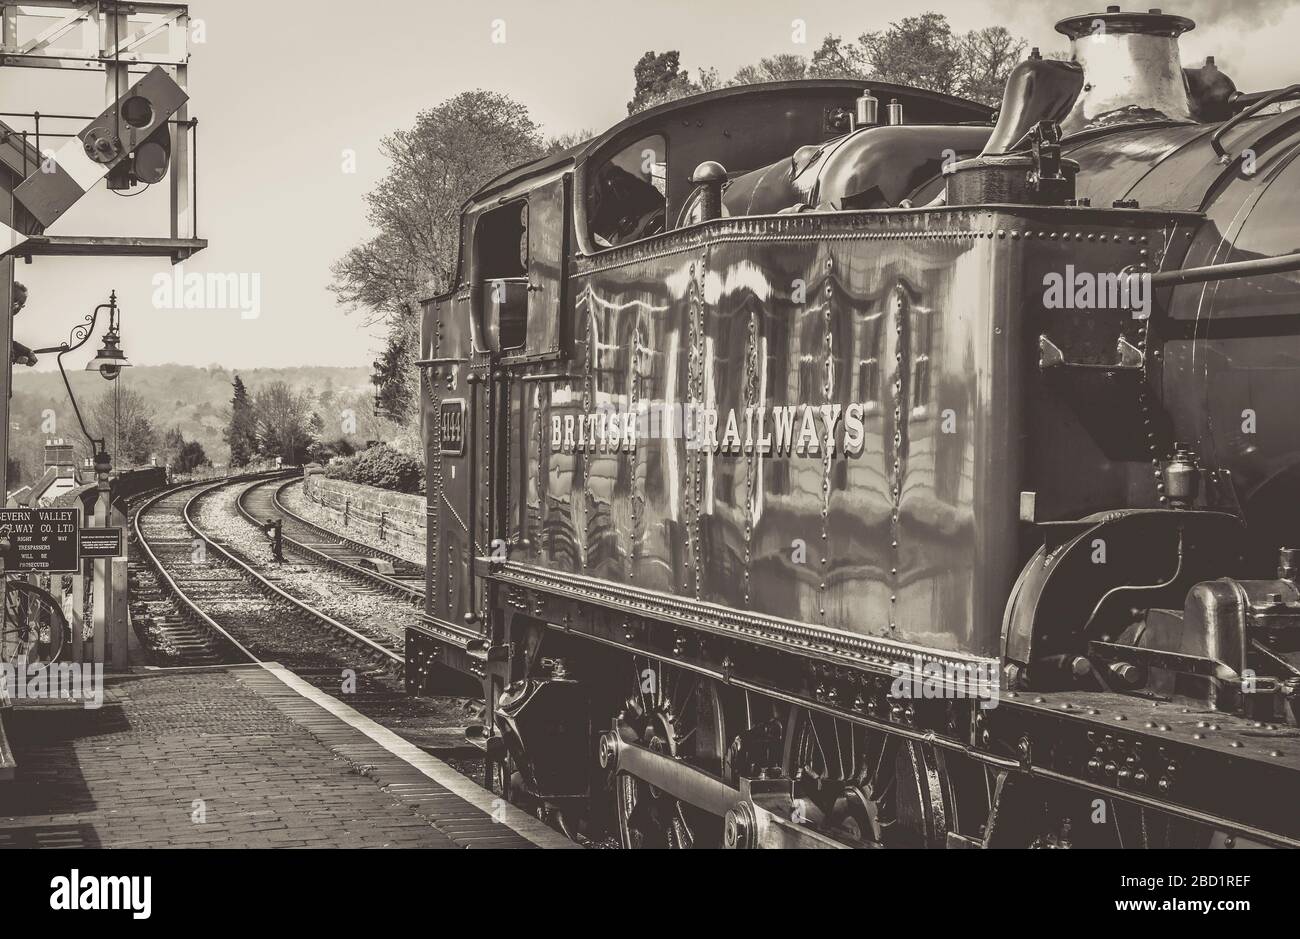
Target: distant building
(61, 477)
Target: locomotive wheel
(677, 713)
(863, 785)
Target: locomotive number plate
(451, 436)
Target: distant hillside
(196, 400)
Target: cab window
(502, 243)
(627, 194)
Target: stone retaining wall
(387, 519)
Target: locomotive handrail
(1217, 137)
(1245, 99)
(545, 376)
(1228, 271)
(448, 360)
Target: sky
(293, 99)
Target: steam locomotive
(837, 463)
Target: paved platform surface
(238, 757)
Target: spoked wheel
(862, 785)
(33, 627)
(677, 713)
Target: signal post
(143, 135)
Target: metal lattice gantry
(69, 34)
(120, 40)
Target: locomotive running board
(1047, 735)
(788, 635)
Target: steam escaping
(1214, 12)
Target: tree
(773, 68)
(172, 443)
(124, 420)
(709, 79)
(190, 457)
(241, 433)
(659, 77)
(680, 90)
(396, 396)
(987, 57)
(920, 51)
(562, 142)
(836, 58)
(281, 420)
(436, 165)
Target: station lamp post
(109, 362)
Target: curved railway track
(373, 569)
(205, 602)
(369, 566)
(196, 600)
(205, 613)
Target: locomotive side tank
(830, 461)
(813, 420)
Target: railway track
(199, 598)
(175, 630)
(371, 568)
(201, 601)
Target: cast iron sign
(40, 539)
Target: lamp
(109, 362)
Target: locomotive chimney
(1132, 71)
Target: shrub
(382, 467)
(190, 457)
(322, 452)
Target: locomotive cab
(516, 270)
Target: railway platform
(240, 756)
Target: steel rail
(390, 657)
(390, 583)
(167, 578)
(266, 586)
(414, 592)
